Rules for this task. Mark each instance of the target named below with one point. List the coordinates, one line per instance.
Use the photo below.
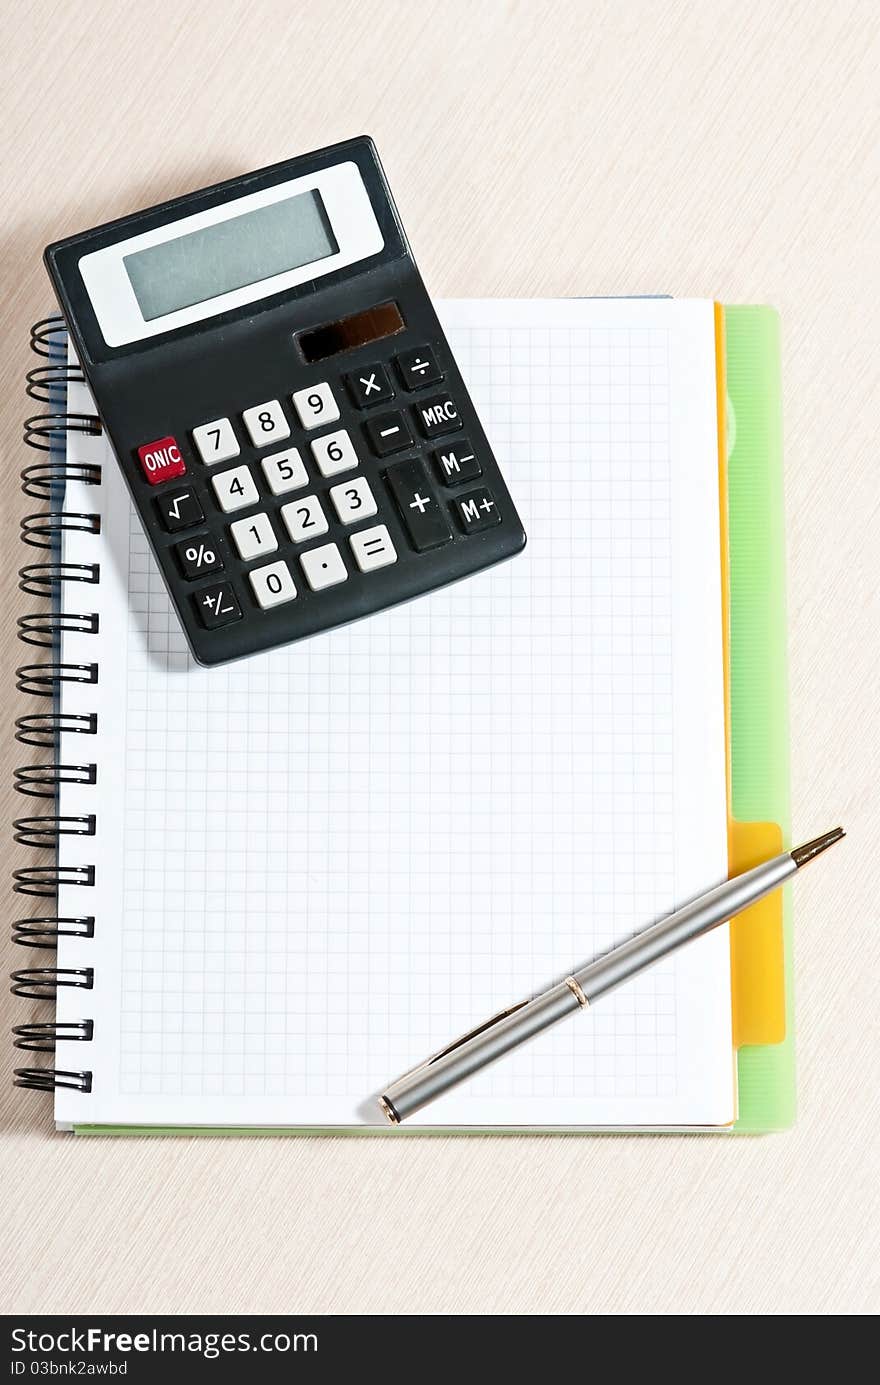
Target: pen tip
(802, 854)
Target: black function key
(217, 605)
(437, 415)
(422, 514)
(179, 510)
(456, 463)
(368, 386)
(477, 510)
(388, 433)
(418, 368)
(198, 556)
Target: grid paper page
(324, 863)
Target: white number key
(216, 441)
(304, 518)
(323, 567)
(334, 453)
(353, 500)
(253, 536)
(273, 584)
(373, 548)
(266, 423)
(316, 405)
(284, 471)
(235, 489)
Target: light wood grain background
(718, 149)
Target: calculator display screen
(230, 254)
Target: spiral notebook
(282, 882)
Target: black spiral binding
(47, 480)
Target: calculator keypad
(370, 469)
(477, 511)
(316, 405)
(285, 471)
(179, 510)
(253, 537)
(198, 556)
(423, 517)
(388, 433)
(369, 385)
(216, 442)
(437, 415)
(304, 519)
(266, 423)
(373, 548)
(353, 500)
(334, 453)
(161, 460)
(418, 368)
(272, 585)
(235, 489)
(456, 463)
(323, 567)
(217, 605)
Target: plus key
(423, 516)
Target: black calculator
(283, 402)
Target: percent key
(198, 556)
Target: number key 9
(316, 405)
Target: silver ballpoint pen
(497, 1036)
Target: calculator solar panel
(283, 402)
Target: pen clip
(471, 1034)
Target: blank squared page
(331, 860)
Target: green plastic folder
(750, 428)
(758, 715)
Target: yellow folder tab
(757, 952)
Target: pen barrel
(497, 1037)
(704, 914)
(413, 1091)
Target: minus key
(388, 433)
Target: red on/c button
(161, 460)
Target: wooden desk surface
(721, 149)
